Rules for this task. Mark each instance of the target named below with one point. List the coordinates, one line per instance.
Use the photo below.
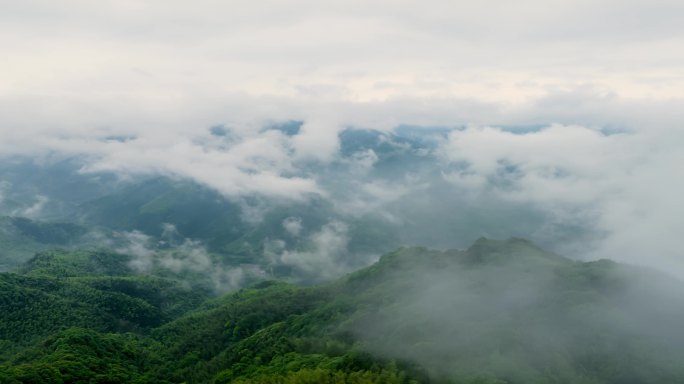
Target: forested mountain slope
(21, 238)
(498, 312)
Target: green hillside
(21, 238)
(498, 312)
(59, 289)
(199, 213)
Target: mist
(506, 310)
(390, 191)
(582, 191)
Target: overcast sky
(125, 62)
(74, 72)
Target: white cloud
(76, 72)
(317, 140)
(140, 247)
(293, 226)
(190, 256)
(624, 185)
(259, 163)
(323, 256)
(33, 211)
(154, 65)
(373, 197)
(355, 50)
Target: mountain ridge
(500, 311)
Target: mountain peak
(486, 250)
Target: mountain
(389, 188)
(60, 289)
(21, 238)
(50, 188)
(497, 312)
(171, 211)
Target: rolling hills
(498, 312)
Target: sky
(121, 64)
(604, 78)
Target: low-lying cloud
(323, 255)
(186, 259)
(589, 190)
(587, 98)
(624, 185)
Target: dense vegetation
(200, 213)
(21, 238)
(499, 312)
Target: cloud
(259, 163)
(323, 256)
(510, 305)
(170, 234)
(353, 50)
(139, 246)
(33, 211)
(188, 259)
(373, 197)
(153, 67)
(317, 141)
(192, 256)
(621, 185)
(609, 74)
(293, 226)
(601, 183)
